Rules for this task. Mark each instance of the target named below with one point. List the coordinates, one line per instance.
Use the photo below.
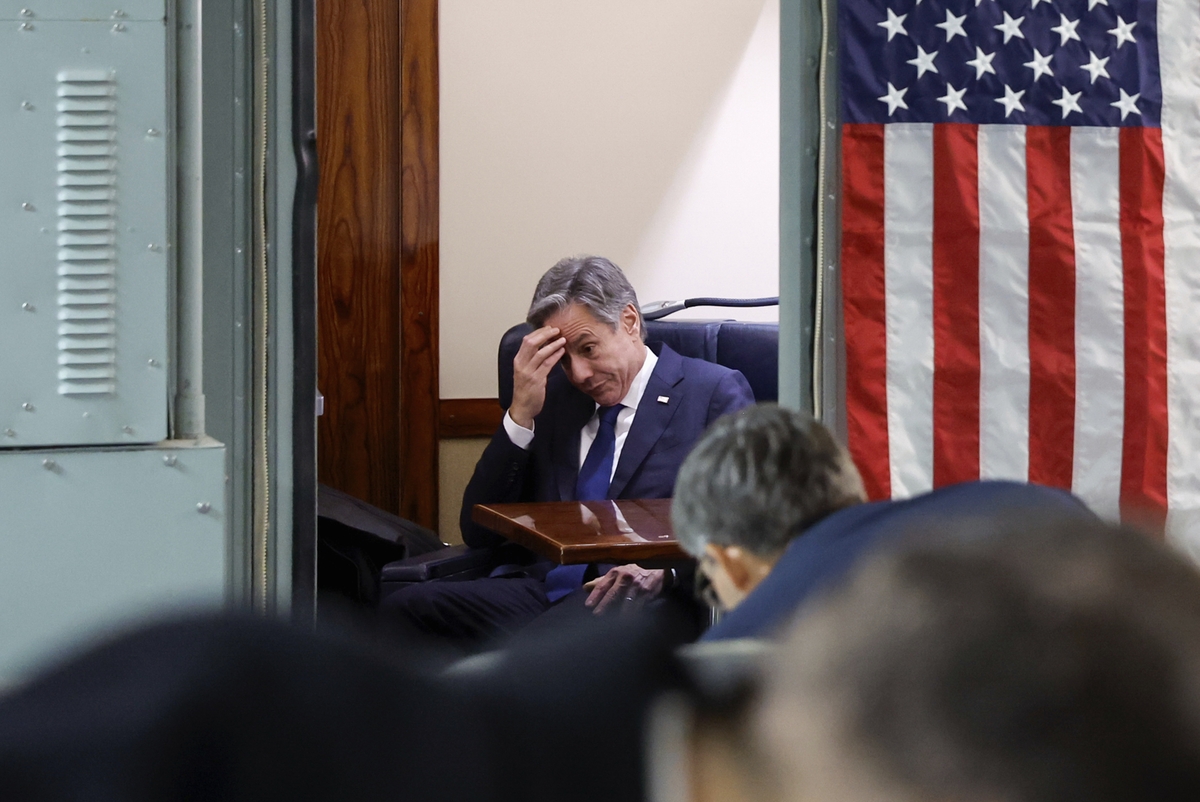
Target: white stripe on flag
(1003, 304)
(908, 293)
(1099, 318)
(1179, 55)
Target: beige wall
(456, 461)
(643, 130)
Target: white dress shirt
(522, 437)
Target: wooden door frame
(419, 221)
(377, 90)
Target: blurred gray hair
(593, 282)
(758, 478)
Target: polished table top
(573, 532)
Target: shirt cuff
(518, 434)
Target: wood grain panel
(577, 532)
(358, 203)
(469, 417)
(418, 149)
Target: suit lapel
(652, 418)
(565, 448)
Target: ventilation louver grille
(87, 232)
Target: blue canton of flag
(1024, 62)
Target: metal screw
(151, 132)
(10, 433)
(49, 464)
(153, 247)
(203, 508)
(25, 12)
(118, 28)
(170, 460)
(127, 429)
(28, 307)
(118, 14)
(25, 104)
(28, 407)
(27, 206)
(26, 26)
(152, 363)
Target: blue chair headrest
(752, 348)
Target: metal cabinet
(84, 237)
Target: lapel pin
(662, 399)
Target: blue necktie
(596, 472)
(594, 477)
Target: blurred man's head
(1037, 664)
(756, 480)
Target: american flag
(1021, 245)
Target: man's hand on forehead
(540, 351)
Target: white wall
(646, 131)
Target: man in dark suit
(773, 508)
(616, 422)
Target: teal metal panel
(84, 206)
(799, 134)
(36, 11)
(101, 538)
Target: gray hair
(593, 282)
(758, 478)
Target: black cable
(738, 302)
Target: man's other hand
(540, 351)
(623, 586)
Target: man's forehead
(575, 322)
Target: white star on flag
(1040, 64)
(894, 24)
(953, 99)
(923, 62)
(1010, 27)
(1011, 100)
(1123, 31)
(1095, 67)
(1127, 103)
(1093, 3)
(1068, 102)
(982, 63)
(894, 98)
(1066, 29)
(953, 26)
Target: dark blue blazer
(827, 551)
(662, 434)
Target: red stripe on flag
(1144, 456)
(863, 305)
(955, 304)
(1051, 305)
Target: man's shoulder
(670, 361)
(827, 551)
